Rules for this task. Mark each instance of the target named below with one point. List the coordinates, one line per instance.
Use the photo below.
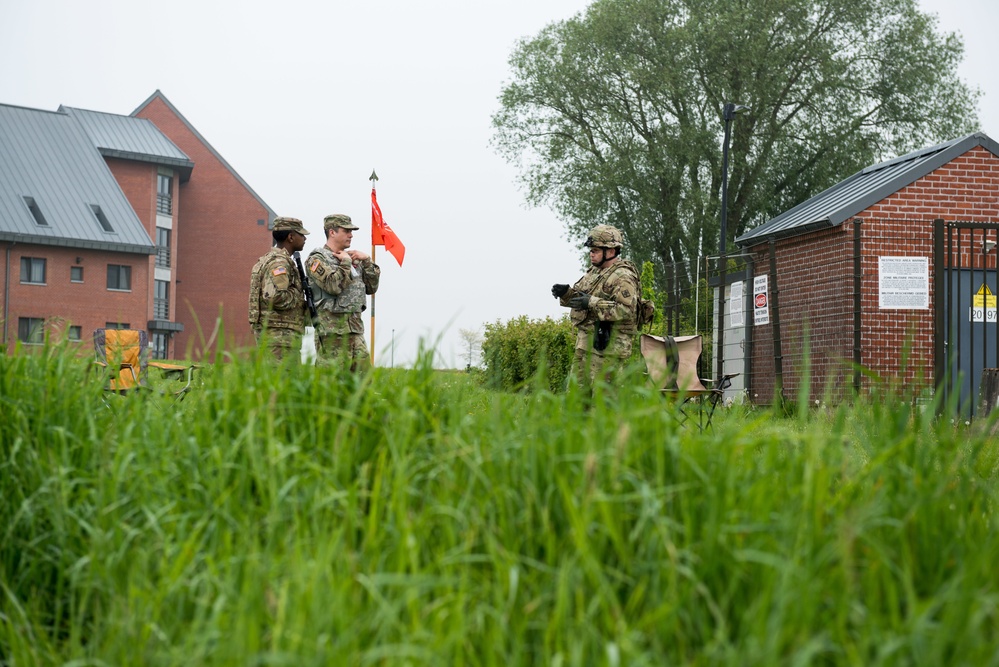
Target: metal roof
(859, 192)
(131, 138)
(48, 158)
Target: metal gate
(965, 340)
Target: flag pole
(373, 178)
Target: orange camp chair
(672, 365)
(125, 353)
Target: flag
(382, 234)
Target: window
(101, 218)
(119, 277)
(76, 333)
(161, 300)
(116, 325)
(164, 194)
(163, 247)
(33, 270)
(36, 212)
(159, 343)
(76, 274)
(31, 330)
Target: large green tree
(615, 116)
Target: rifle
(310, 301)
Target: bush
(520, 349)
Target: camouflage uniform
(340, 290)
(277, 298)
(614, 292)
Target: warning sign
(983, 305)
(761, 307)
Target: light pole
(728, 114)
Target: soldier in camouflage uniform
(277, 296)
(604, 305)
(340, 280)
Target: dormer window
(36, 212)
(101, 218)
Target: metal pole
(373, 178)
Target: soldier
(340, 280)
(277, 296)
(604, 306)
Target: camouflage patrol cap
(284, 224)
(338, 220)
(604, 236)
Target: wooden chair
(125, 354)
(671, 362)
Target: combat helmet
(604, 236)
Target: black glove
(559, 289)
(580, 302)
(602, 339)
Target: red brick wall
(137, 181)
(218, 241)
(965, 189)
(814, 294)
(88, 304)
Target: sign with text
(983, 305)
(903, 283)
(761, 303)
(735, 307)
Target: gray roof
(131, 138)
(159, 95)
(859, 192)
(47, 157)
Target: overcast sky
(305, 98)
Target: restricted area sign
(761, 307)
(983, 305)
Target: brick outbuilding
(874, 278)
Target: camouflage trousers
(346, 350)
(590, 366)
(281, 343)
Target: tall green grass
(293, 516)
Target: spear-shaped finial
(373, 177)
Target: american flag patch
(281, 270)
(314, 265)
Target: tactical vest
(350, 300)
(592, 283)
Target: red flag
(382, 234)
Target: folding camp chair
(672, 365)
(125, 353)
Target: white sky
(304, 98)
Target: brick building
(124, 221)
(863, 276)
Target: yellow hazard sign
(984, 298)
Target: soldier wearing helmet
(604, 305)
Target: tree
(614, 116)
(472, 339)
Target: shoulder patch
(314, 265)
(279, 271)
